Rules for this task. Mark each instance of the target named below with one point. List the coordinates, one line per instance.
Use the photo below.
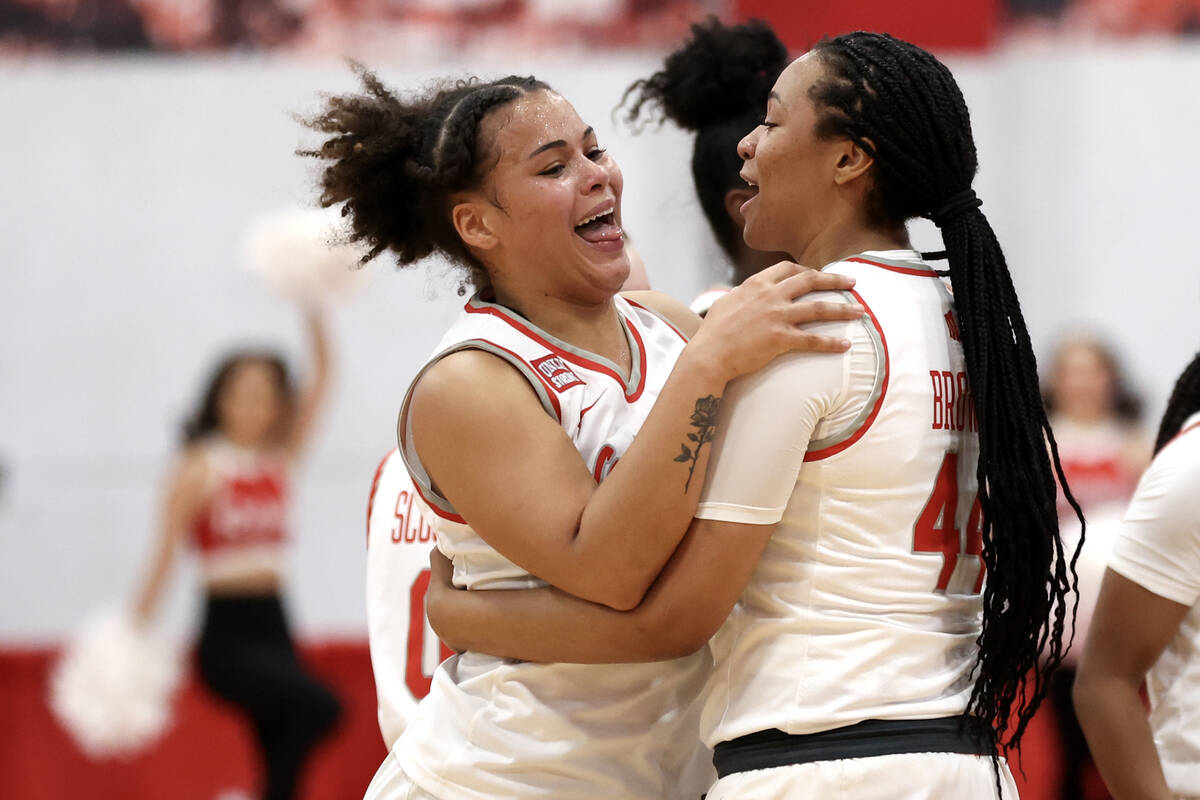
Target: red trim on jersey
(816, 455)
(374, 489)
(1191, 427)
(573, 357)
(433, 507)
(921, 273)
(662, 317)
(550, 390)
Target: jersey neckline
(632, 385)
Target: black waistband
(872, 737)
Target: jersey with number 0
(404, 649)
(866, 603)
(492, 727)
(1158, 548)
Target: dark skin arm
(682, 610)
(1131, 628)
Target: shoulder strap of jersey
(408, 451)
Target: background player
(228, 498)
(494, 430)
(716, 85)
(864, 645)
(404, 649)
(1147, 628)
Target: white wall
(127, 186)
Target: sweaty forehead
(531, 121)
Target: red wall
(209, 749)
(933, 24)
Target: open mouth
(599, 228)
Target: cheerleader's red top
(242, 527)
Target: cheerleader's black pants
(246, 657)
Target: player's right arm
(516, 477)
(183, 499)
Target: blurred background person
(1097, 420)
(227, 497)
(1103, 449)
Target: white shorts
(911, 776)
(390, 783)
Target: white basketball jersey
(492, 727)
(404, 649)
(1158, 548)
(866, 603)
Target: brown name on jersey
(953, 409)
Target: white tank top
(866, 603)
(492, 727)
(404, 649)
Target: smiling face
(796, 171)
(548, 218)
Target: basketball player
(716, 86)
(1147, 628)
(856, 501)
(404, 649)
(527, 405)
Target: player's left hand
(441, 594)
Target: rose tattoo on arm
(704, 420)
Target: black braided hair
(902, 107)
(396, 162)
(1185, 401)
(716, 84)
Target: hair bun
(721, 72)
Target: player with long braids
(877, 546)
(1147, 624)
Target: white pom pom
(303, 256)
(112, 689)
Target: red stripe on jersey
(573, 357)
(433, 507)
(816, 455)
(374, 489)
(636, 304)
(923, 273)
(1189, 428)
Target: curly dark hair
(715, 84)
(206, 420)
(903, 107)
(395, 163)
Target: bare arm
(1129, 631)
(184, 496)
(515, 475)
(683, 609)
(312, 396)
